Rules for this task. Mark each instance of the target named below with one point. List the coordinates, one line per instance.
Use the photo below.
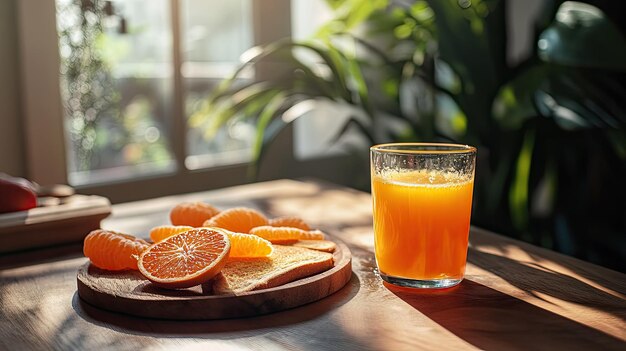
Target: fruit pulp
(421, 224)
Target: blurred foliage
(104, 130)
(89, 94)
(550, 130)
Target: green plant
(550, 131)
(104, 130)
(88, 88)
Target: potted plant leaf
(551, 130)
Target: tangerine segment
(113, 251)
(249, 246)
(289, 221)
(165, 231)
(239, 220)
(313, 235)
(186, 259)
(281, 234)
(192, 213)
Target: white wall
(11, 145)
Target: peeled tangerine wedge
(238, 219)
(192, 213)
(282, 234)
(289, 221)
(187, 259)
(113, 251)
(249, 246)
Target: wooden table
(515, 296)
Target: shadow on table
(538, 281)
(250, 326)
(40, 255)
(491, 320)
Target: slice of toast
(286, 264)
(319, 245)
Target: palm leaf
(267, 114)
(518, 195)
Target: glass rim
(405, 148)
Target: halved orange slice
(241, 245)
(186, 259)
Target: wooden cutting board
(130, 293)
(59, 224)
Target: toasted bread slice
(286, 264)
(319, 245)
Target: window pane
(315, 130)
(214, 34)
(116, 84)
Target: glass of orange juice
(422, 202)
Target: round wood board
(130, 293)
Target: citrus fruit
(192, 213)
(289, 221)
(248, 246)
(186, 259)
(113, 251)
(312, 235)
(241, 245)
(281, 234)
(165, 231)
(239, 220)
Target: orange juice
(421, 224)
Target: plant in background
(550, 131)
(87, 86)
(104, 129)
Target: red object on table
(16, 194)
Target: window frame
(43, 113)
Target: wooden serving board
(130, 293)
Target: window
(118, 83)
(216, 34)
(109, 88)
(116, 87)
(316, 128)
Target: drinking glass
(422, 203)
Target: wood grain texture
(52, 225)
(130, 293)
(515, 296)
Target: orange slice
(192, 213)
(186, 259)
(241, 245)
(165, 231)
(113, 251)
(289, 221)
(281, 234)
(312, 235)
(239, 220)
